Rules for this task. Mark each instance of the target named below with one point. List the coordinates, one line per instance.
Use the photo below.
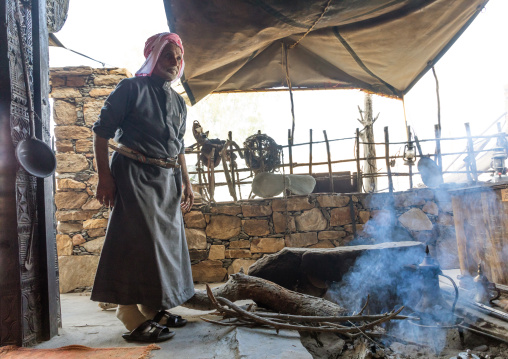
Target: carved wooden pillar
(29, 306)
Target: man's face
(169, 63)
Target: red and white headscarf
(153, 49)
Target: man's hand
(187, 198)
(106, 189)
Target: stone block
(64, 113)
(446, 206)
(94, 246)
(63, 216)
(92, 204)
(64, 146)
(70, 200)
(75, 81)
(224, 227)
(415, 220)
(196, 238)
(408, 199)
(333, 200)
(194, 219)
(96, 232)
(231, 210)
(63, 245)
(70, 162)
(311, 220)
(300, 240)
(57, 82)
(280, 222)
(84, 146)
(198, 255)
(323, 244)
(445, 219)
(95, 223)
(291, 204)
(256, 227)
(240, 263)
(65, 92)
(382, 218)
(72, 132)
(99, 92)
(364, 216)
(217, 252)
(107, 80)
(340, 216)
(76, 271)
(78, 239)
(70, 71)
(267, 245)
(120, 71)
(91, 111)
(431, 208)
(67, 183)
(256, 210)
(326, 235)
(243, 243)
(238, 253)
(208, 271)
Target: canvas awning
(382, 46)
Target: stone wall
(78, 94)
(225, 237)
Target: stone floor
(84, 323)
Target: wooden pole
(211, 180)
(387, 158)
(439, 157)
(330, 174)
(471, 154)
(200, 173)
(358, 171)
(310, 151)
(290, 148)
(410, 165)
(231, 186)
(231, 154)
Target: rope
(313, 25)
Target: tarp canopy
(381, 46)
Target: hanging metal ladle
(35, 156)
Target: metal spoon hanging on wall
(35, 156)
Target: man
(145, 265)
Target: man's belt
(135, 155)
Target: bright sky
(472, 77)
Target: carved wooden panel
(26, 186)
(56, 14)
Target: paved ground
(85, 323)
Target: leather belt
(138, 156)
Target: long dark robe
(145, 258)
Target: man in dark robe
(145, 265)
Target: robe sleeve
(183, 127)
(114, 111)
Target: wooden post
(200, 173)
(369, 148)
(410, 165)
(310, 151)
(330, 173)
(439, 158)
(387, 158)
(290, 144)
(471, 153)
(233, 163)
(211, 179)
(358, 171)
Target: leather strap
(138, 156)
